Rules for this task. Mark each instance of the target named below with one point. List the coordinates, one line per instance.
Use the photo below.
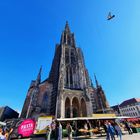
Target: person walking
(86, 129)
(111, 131)
(128, 127)
(106, 130)
(48, 132)
(69, 131)
(119, 131)
(53, 130)
(2, 136)
(60, 131)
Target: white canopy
(2, 123)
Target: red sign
(26, 128)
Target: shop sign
(26, 128)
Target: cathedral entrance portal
(75, 107)
(83, 108)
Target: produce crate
(136, 130)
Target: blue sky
(30, 29)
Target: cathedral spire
(67, 29)
(67, 37)
(38, 79)
(96, 81)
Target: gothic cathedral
(68, 91)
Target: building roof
(130, 102)
(115, 107)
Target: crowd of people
(5, 133)
(111, 129)
(55, 130)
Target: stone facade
(130, 107)
(68, 91)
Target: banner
(43, 125)
(26, 128)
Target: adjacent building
(116, 110)
(68, 91)
(130, 108)
(7, 113)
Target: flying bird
(109, 17)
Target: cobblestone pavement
(134, 136)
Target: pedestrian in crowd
(9, 134)
(1, 130)
(128, 127)
(69, 131)
(59, 131)
(6, 134)
(113, 124)
(118, 130)
(106, 130)
(89, 128)
(86, 128)
(2, 134)
(75, 128)
(53, 130)
(48, 132)
(111, 131)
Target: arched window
(83, 108)
(67, 77)
(71, 77)
(67, 108)
(44, 103)
(75, 107)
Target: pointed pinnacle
(67, 29)
(96, 80)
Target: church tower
(101, 101)
(68, 91)
(73, 99)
